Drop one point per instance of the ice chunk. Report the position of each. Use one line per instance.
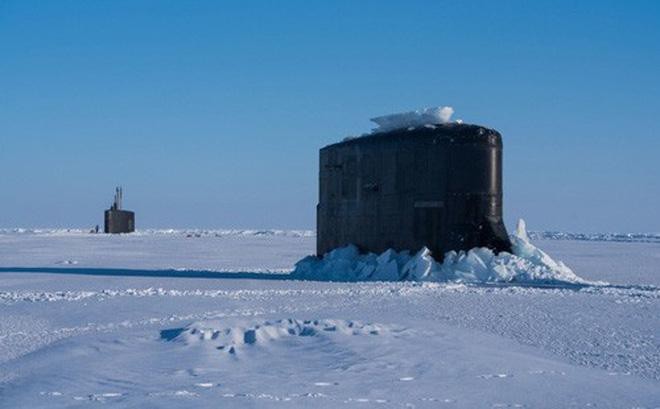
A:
(413, 119)
(527, 264)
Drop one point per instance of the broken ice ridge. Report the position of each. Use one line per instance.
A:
(527, 264)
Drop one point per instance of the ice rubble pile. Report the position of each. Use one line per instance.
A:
(403, 120)
(527, 264)
(229, 339)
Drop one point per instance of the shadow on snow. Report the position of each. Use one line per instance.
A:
(126, 272)
(246, 275)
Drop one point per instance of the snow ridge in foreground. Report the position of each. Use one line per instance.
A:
(528, 264)
(229, 338)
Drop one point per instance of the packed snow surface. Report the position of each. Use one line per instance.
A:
(414, 119)
(622, 237)
(535, 235)
(191, 318)
(168, 232)
(528, 264)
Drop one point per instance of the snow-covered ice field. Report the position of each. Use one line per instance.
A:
(209, 319)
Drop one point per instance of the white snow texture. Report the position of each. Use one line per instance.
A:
(116, 321)
(528, 264)
(426, 116)
(231, 339)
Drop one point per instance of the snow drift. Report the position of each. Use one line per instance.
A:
(527, 264)
(427, 116)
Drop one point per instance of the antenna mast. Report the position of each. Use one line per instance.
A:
(118, 198)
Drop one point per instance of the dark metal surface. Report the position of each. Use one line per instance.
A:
(436, 187)
(119, 221)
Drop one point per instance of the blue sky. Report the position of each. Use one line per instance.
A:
(211, 113)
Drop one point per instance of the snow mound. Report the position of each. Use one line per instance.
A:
(413, 119)
(528, 264)
(231, 339)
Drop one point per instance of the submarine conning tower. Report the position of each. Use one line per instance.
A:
(117, 220)
(438, 186)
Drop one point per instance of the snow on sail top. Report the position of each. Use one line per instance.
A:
(414, 119)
